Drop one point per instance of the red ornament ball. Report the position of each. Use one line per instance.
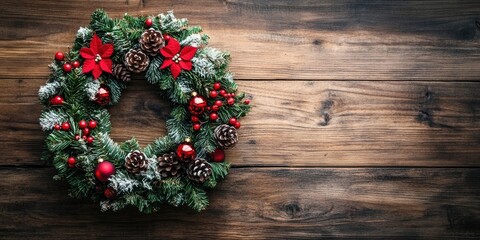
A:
(218, 103)
(186, 152)
(56, 100)
(213, 116)
(92, 124)
(230, 101)
(218, 155)
(90, 139)
(104, 171)
(103, 95)
(148, 22)
(213, 94)
(82, 124)
(195, 119)
(197, 105)
(196, 126)
(109, 193)
(223, 93)
(232, 121)
(71, 161)
(217, 86)
(67, 67)
(215, 108)
(65, 126)
(57, 127)
(247, 101)
(237, 125)
(76, 64)
(59, 56)
(86, 131)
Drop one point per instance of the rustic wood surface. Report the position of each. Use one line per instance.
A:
(366, 121)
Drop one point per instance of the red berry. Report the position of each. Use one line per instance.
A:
(109, 193)
(76, 64)
(217, 86)
(57, 127)
(86, 131)
(56, 100)
(148, 22)
(215, 108)
(213, 116)
(237, 125)
(65, 126)
(71, 161)
(92, 124)
(194, 119)
(59, 56)
(232, 121)
(213, 94)
(67, 67)
(223, 93)
(230, 101)
(77, 137)
(82, 124)
(232, 94)
(227, 95)
(84, 137)
(218, 155)
(247, 101)
(218, 103)
(166, 37)
(89, 139)
(196, 126)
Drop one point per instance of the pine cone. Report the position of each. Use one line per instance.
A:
(168, 165)
(136, 162)
(151, 42)
(226, 136)
(136, 61)
(121, 73)
(199, 171)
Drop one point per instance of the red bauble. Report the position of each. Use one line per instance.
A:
(218, 103)
(148, 22)
(56, 100)
(197, 105)
(217, 86)
(237, 125)
(82, 124)
(67, 67)
(104, 171)
(196, 126)
(223, 93)
(195, 119)
(90, 139)
(218, 155)
(59, 56)
(215, 108)
(76, 64)
(213, 94)
(86, 131)
(186, 152)
(92, 124)
(57, 127)
(65, 126)
(232, 121)
(230, 101)
(213, 116)
(247, 101)
(109, 193)
(71, 161)
(103, 95)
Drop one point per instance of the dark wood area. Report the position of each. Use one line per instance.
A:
(366, 121)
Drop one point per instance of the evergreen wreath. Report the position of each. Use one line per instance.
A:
(174, 169)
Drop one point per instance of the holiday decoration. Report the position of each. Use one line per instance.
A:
(174, 57)
(97, 57)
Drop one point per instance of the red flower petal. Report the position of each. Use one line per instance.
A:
(106, 65)
(167, 62)
(97, 71)
(172, 48)
(188, 53)
(106, 50)
(187, 65)
(95, 44)
(88, 65)
(87, 53)
(175, 69)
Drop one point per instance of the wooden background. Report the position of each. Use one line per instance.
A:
(366, 121)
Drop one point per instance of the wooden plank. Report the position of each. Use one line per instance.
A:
(311, 40)
(253, 203)
(294, 123)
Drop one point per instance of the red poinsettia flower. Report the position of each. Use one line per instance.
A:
(97, 57)
(177, 58)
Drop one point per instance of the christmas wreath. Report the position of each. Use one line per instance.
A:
(174, 169)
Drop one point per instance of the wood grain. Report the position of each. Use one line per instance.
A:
(302, 123)
(310, 40)
(262, 203)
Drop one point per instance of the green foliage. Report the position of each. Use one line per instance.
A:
(147, 190)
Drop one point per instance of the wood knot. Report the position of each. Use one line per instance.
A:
(325, 112)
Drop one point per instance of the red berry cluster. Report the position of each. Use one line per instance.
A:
(67, 65)
(64, 126)
(86, 127)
